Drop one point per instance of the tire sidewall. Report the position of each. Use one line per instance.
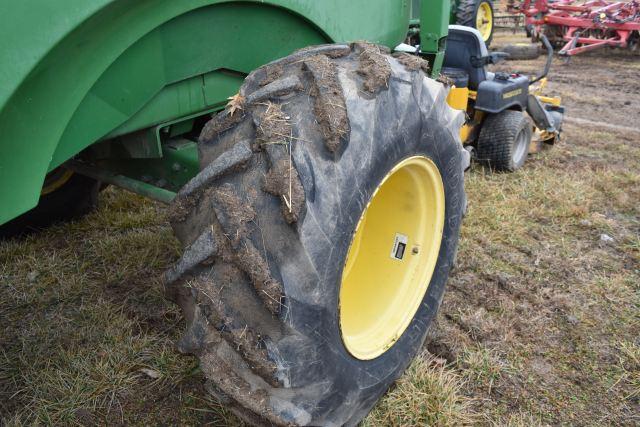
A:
(421, 137)
(525, 127)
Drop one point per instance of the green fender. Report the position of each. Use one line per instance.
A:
(74, 73)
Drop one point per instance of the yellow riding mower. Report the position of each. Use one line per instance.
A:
(497, 131)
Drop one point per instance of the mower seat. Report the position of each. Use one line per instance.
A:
(458, 76)
(466, 52)
(464, 44)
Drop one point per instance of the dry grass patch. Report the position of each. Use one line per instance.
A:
(87, 335)
(541, 306)
(428, 394)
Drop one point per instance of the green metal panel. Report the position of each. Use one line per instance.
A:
(415, 10)
(76, 72)
(178, 164)
(434, 27)
(183, 99)
(433, 17)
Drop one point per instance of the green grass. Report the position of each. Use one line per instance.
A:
(428, 394)
(542, 317)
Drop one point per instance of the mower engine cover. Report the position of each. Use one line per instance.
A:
(502, 92)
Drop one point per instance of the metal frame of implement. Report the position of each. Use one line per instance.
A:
(587, 25)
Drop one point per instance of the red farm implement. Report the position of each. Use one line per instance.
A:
(578, 27)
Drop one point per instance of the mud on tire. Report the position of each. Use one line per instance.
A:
(286, 172)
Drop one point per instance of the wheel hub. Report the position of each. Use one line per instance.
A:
(484, 20)
(392, 257)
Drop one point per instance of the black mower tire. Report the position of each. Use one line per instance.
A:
(466, 12)
(521, 51)
(75, 198)
(266, 230)
(499, 139)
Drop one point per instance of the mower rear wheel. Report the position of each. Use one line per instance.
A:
(504, 140)
(319, 233)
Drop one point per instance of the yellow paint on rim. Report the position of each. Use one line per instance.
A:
(484, 20)
(55, 179)
(391, 258)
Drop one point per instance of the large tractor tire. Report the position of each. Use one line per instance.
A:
(65, 196)
(319, 234)
(520, 51)
(476, 14)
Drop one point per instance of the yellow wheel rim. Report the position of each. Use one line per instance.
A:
(391, 258)
(484, 20)
(55, 179)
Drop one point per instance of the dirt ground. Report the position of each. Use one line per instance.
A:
(540, 324)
